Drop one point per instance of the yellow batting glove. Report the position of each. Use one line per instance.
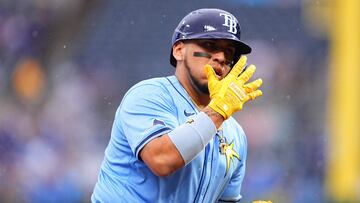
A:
(229, 94)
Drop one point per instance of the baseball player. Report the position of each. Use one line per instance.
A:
(173, 138)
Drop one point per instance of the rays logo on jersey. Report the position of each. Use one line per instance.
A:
(158, 122)
(229, 152)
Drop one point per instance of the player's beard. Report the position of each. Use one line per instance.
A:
(203, 88)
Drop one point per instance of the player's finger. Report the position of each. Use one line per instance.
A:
(252, 86)
(210, 73)
(238, 67)
(255, 94)
(246, 75)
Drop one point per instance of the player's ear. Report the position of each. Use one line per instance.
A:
(178, 50)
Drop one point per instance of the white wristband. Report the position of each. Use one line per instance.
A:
(190, 138)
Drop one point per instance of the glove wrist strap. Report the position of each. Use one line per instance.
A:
(218, 106)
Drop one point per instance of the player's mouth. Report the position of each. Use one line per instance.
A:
(219, 72)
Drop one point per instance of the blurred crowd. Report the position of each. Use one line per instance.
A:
(57, 99)
(49, 137)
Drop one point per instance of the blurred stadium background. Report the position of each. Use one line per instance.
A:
(65, 65)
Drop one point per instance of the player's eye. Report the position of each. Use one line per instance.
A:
(229, 56)
(229, 52)
(212, 46)
(209, 46)
(229, 63)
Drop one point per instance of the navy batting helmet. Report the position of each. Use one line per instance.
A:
(210, 23)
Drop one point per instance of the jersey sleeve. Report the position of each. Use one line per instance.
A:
(232, 192)
(146, 112)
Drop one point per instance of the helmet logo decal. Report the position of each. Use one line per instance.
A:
(209, 28)
(230, 22)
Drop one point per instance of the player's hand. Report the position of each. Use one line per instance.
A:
(229, 94)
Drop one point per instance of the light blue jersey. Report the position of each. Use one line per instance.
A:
(150, 109)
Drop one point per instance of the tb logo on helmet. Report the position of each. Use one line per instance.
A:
(230, 22)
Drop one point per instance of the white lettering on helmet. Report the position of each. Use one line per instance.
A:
(230, 22)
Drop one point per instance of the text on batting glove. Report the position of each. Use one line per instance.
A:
(229, 94)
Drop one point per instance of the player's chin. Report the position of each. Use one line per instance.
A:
(205, 91)
(202, 86)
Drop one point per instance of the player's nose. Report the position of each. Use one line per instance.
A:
(218, 59)
(218, 63)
